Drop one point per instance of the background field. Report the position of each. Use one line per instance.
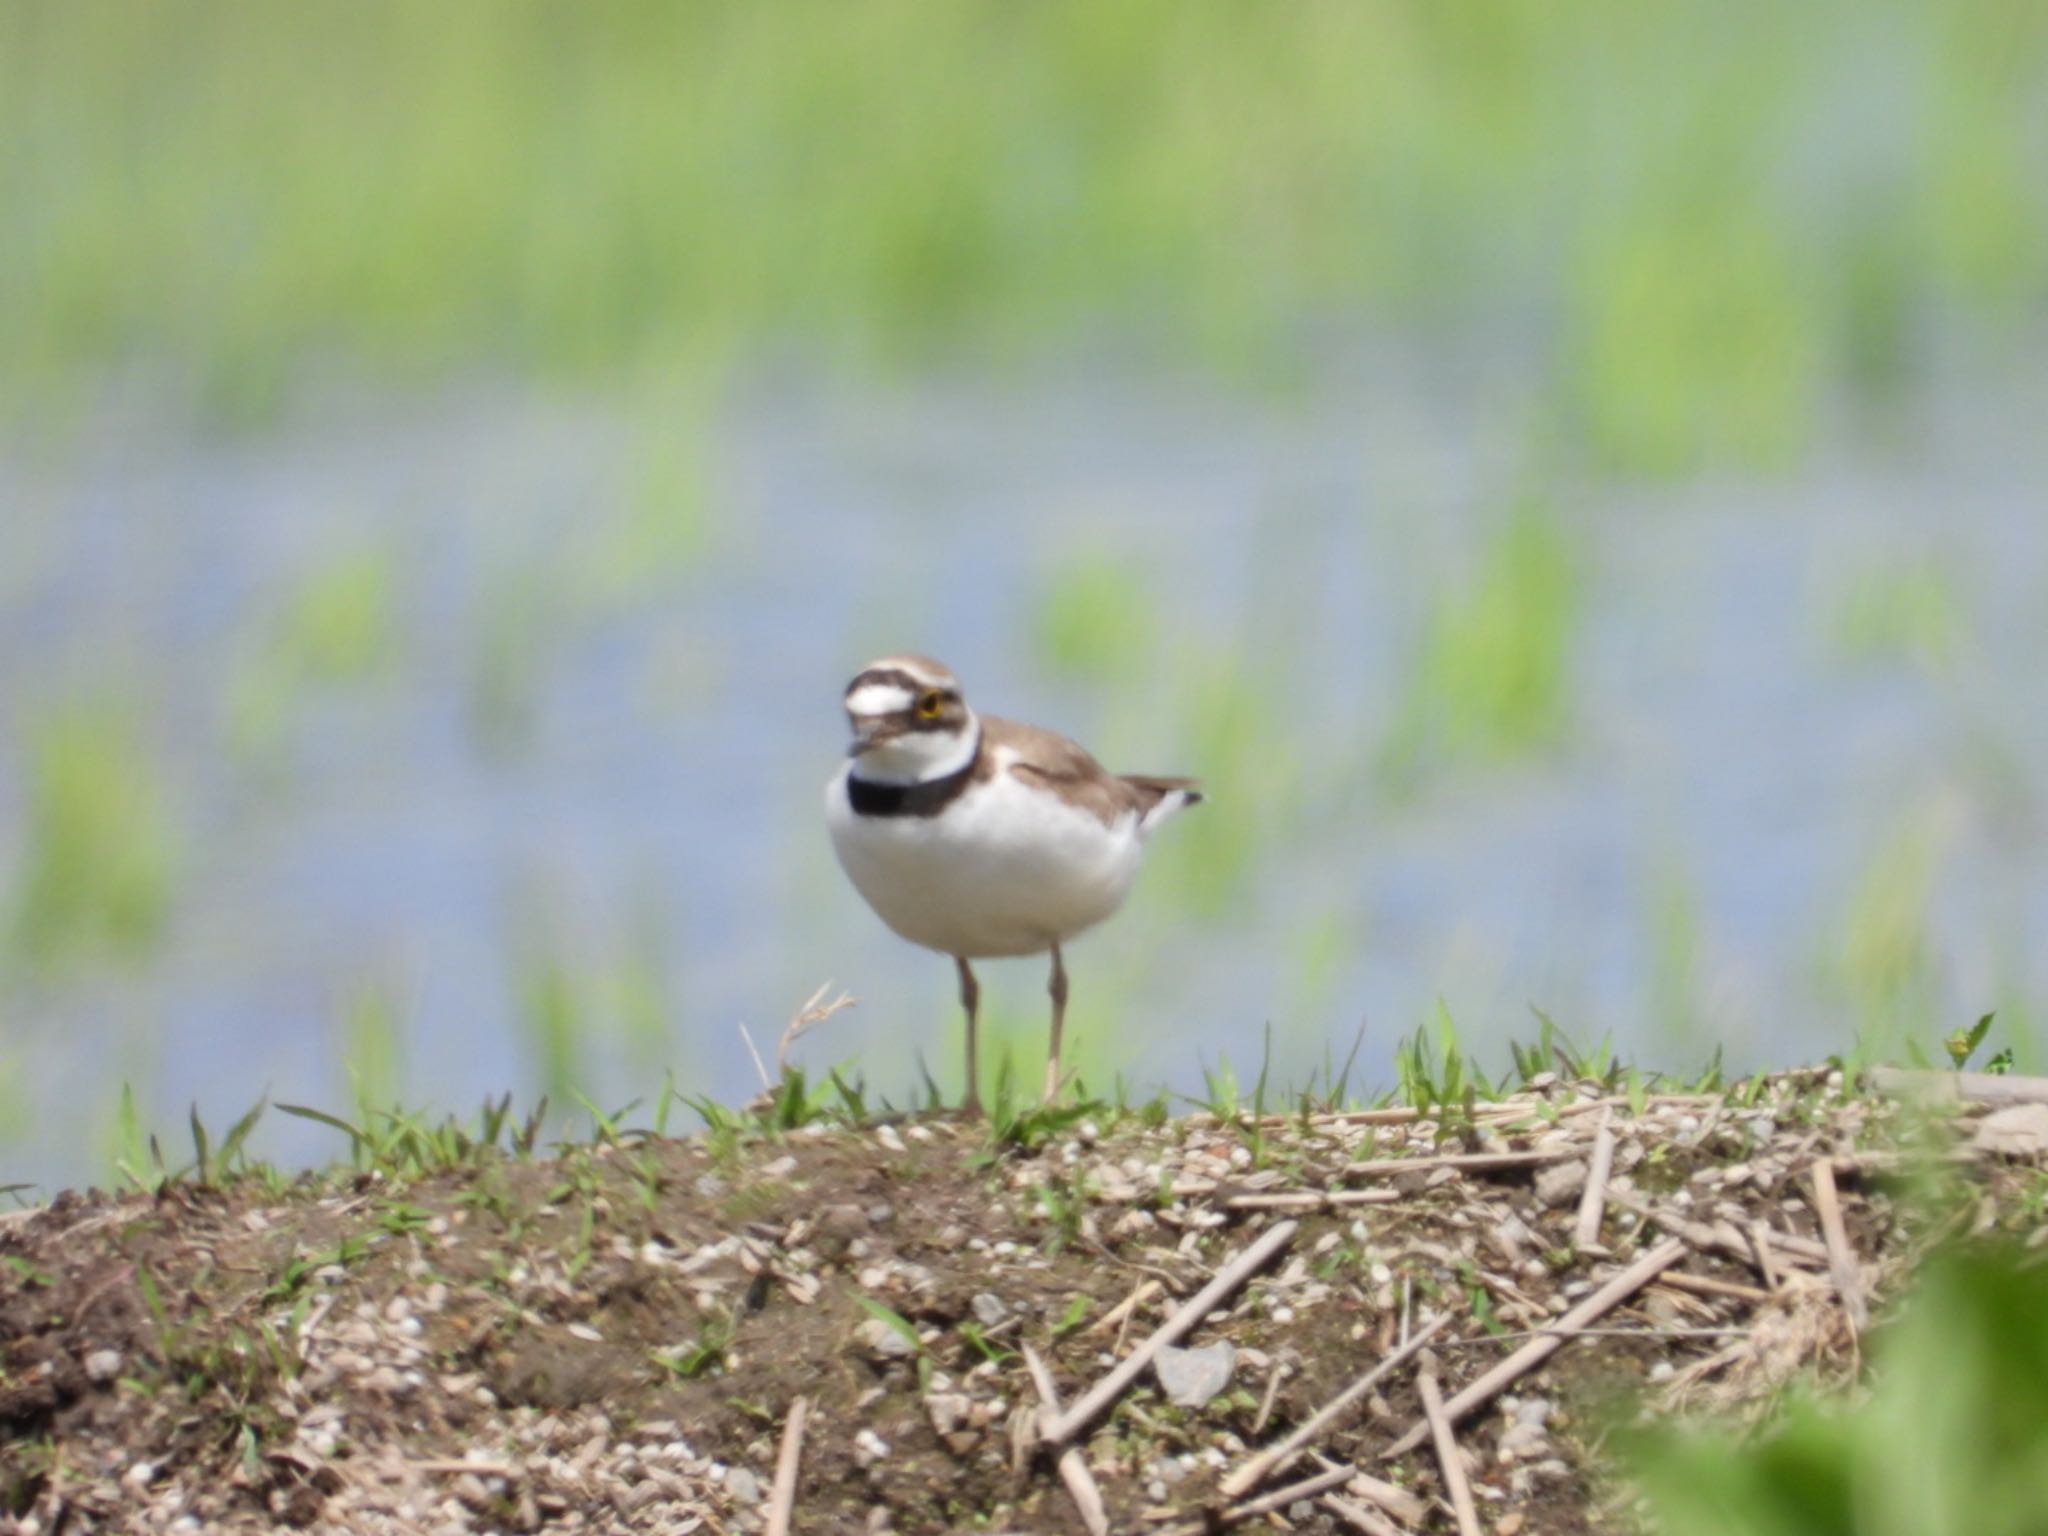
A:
(1570, 481)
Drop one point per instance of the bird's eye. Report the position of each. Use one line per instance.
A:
(931, 706)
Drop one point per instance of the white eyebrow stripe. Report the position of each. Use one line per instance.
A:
(877, 699)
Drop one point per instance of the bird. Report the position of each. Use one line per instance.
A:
(980, 837)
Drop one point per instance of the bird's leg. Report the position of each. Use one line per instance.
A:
(970, 999)
(1058, 988)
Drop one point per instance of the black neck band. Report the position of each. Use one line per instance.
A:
(925, 797)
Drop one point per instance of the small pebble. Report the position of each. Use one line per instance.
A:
(743, 1485)
(103, 1365)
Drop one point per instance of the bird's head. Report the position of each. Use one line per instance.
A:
(909, 720)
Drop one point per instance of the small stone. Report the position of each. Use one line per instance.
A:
(869, 1447)
(1525, 1432)
(989, 1309)
(743, 1485)
(1560, 1183)
(103, 1365)
(947, 1411)
(1191, 1377)
(2018, 1130)
(839, 1228)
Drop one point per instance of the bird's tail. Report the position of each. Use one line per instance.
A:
(1159, 798)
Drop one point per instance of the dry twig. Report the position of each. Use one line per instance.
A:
(1593, 1203)
(1842, 1265)
(782, 1499)
(1766, 1266)
(814, 1012)
(1981, 1087)
(1448, 1456)
(1536, 1351)
(1145, 1291)
(1280, 1498)
(1065, 1426)
(1464, 1162)
(1360, 1516)
(1073, 1466)
(1712, 1239)
(1397, 1501)
(1276, 1457)
(1707, 1285)
(455, 1466)
(1311, 1199)
(1273, 1378)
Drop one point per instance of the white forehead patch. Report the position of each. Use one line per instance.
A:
(877, 699)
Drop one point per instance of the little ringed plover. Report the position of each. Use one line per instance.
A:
(979, 837)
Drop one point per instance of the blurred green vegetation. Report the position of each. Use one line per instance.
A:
(100, 858)
(1676, 923)
(1096, 621)
(1952, 1438)
(1713, 214)
(1493, 674)
(1904, 611)
(339, 626)
(1235, 726)
(1885, 959)
(373, 1035)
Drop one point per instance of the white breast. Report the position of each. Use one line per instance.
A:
(1004, 869)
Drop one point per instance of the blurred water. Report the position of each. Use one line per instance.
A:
(1677, 869)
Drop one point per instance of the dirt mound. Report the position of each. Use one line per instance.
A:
(612, 1340)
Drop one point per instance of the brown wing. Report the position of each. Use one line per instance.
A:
(1066, 767)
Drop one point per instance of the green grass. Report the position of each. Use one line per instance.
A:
(1715, 213)
(555, 1017)
(373, 1048)
(100, 860)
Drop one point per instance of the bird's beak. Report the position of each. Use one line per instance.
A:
(871, 731)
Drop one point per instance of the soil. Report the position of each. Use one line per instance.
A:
(612, 1339)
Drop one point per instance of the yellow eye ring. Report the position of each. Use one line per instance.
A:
(931, 706)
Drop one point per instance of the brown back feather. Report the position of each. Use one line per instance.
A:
(1048, 758)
